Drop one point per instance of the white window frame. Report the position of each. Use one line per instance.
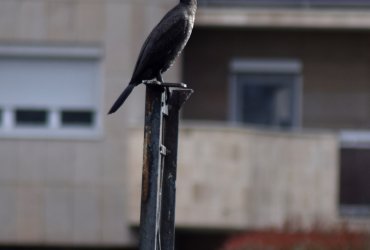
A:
(267, 66)
(53, 128)
(355, 139)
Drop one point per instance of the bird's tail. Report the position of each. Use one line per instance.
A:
(122, 98)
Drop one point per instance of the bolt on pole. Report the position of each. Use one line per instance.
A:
(158, 195)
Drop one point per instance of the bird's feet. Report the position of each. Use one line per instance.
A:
(166, 84)
(153, 82)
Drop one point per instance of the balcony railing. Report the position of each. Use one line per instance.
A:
(287, 3)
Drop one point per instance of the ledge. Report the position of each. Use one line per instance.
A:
(283, 18)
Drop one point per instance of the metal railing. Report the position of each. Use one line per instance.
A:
(287, 3)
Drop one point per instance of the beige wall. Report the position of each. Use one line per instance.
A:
(336, 89)
(66, 191)
(240, 178)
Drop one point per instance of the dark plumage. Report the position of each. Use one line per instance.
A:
(163, 45)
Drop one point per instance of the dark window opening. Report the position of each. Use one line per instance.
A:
(31, 117)
(77, 118)
(267, 100)
(354, 182)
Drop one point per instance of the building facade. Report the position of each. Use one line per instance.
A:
(289, 65)
(63, 175)
(274, 135)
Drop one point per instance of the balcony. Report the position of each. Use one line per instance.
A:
(298, 14)
(287, 3)
(237, 178)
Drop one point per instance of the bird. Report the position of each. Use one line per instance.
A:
(163, 45)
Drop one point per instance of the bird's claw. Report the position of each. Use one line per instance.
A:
(165, 84)
(152, 82)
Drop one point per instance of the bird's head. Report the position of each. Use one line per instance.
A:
(189, 2)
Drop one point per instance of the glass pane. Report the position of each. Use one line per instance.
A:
(30, 117)
(284, 106)
(354, 177)
(77, 118)
(266, 99)
(257, 104)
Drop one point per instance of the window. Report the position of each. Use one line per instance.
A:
(46, 91)
(354, 182)
(354, 185)
(29, 117)
(77, 118)
(266, 93)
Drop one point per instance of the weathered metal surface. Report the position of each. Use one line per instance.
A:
(151, 169)
(171, 122)
(157, 219)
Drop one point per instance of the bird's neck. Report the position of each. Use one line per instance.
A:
(189, 2)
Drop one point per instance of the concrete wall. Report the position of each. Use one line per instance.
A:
(335, 71)
(240, 178)
(70, 191)
(280, 17)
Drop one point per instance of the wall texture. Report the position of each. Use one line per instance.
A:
(73, 191)
(240, 178)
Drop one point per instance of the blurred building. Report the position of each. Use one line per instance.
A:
(276, 134)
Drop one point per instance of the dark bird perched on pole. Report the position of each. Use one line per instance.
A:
(163, 45)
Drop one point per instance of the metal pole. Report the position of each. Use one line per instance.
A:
(151, 169)
(157, 218)
(171, 132)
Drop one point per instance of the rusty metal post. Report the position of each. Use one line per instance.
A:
(171, 132)
(157, 216)
(150, 210)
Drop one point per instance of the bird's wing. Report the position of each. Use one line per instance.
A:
(170, 31)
